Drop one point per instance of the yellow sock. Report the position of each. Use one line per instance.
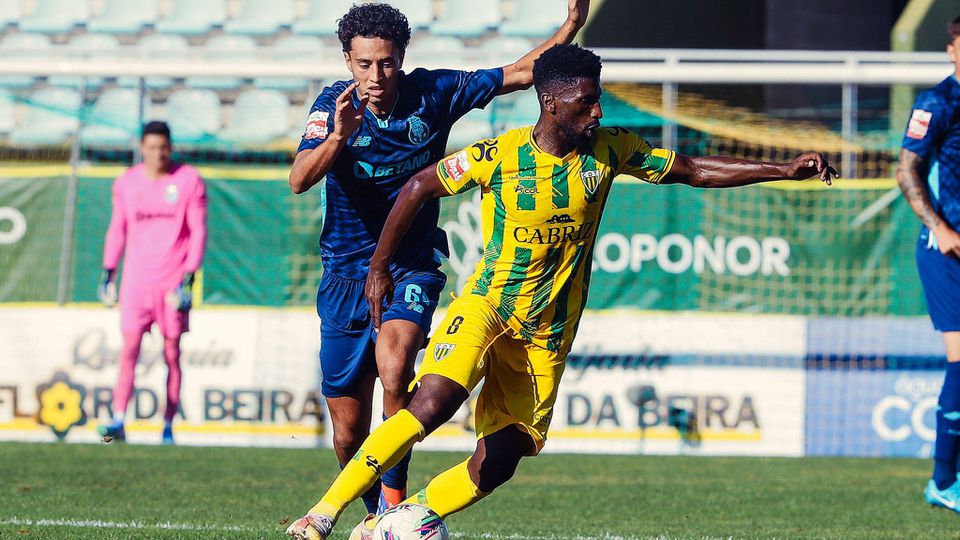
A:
(450, 492)
(381, 451)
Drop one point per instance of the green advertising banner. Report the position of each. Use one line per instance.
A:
(792, 248)
(31, 227)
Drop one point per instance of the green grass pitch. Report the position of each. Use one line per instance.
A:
(64, 491)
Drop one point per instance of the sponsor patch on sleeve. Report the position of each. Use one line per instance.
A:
(316, 125)
(456, 166)
(919, 124)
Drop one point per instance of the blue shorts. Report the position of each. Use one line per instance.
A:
(940, 275)
(347, 339)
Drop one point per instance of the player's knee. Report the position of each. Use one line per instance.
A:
(494, 471)
(346, 442)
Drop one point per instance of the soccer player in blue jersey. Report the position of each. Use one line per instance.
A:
(368, 136)
(929, 175)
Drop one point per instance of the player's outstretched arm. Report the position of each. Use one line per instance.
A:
(310, 166)
(519, 75)
(914, 189)
(424, 185)
(723, 172)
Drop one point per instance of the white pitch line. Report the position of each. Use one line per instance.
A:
(136, 525)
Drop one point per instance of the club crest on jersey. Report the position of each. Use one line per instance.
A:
(419, 130)
(442, 350)
(316, 125)
(171, 194)
(591, 181)
(919, 124)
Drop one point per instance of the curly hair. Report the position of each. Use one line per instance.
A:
(953, 30)
(564, 64)
(374, 20)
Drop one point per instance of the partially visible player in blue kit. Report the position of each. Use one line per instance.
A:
(368, 136)
(929, 175)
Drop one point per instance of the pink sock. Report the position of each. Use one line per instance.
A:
(128, 364)
(171, 355)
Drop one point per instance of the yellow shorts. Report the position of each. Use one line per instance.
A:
(522, 379)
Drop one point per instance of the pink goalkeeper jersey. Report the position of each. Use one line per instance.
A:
(160, 224)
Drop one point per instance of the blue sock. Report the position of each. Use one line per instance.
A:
(948, 429)
(371, 499)
(396, 477)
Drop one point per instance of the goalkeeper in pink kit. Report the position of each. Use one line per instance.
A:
(158, 225)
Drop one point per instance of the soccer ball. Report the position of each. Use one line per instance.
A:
(410, 522)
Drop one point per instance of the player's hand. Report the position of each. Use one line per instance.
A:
(107, 291)
(347, 118)
(181, 297)
(947, 240)
(379, 291)
(577, 11)
(812, 164)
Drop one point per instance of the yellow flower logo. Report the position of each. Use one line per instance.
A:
(61, 404)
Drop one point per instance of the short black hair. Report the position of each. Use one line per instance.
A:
(953, 29)
(564, 64)
(155, 127)
(374, 20)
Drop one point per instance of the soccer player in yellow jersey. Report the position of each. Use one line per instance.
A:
(543, 191)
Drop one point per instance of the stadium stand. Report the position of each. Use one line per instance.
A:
(321, 17)
(87, 46)
(225, 47)
(8, 112)
(125, 17)
(194, 116)
(259, 117)
(114, 119)
(168, 47)
(24, 46)
(533, 18)
(193, 17)
(291, 48)
(261, 17)
(485, 16)
(447, 50)
(52, 117)
(56, 16)
(10, 13)
(419, 12)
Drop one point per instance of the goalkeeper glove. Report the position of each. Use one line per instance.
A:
(181, 297)
(107, 291)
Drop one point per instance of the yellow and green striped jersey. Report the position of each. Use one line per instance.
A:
(540, 215)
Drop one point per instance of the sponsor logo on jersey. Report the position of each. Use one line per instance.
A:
(526, 190)
(418, 131)
(560, 218)
(456, 165)
(553, 235)
(362, 169)
(362, 141)
(919, 124)
(316, 125)
(442, 350)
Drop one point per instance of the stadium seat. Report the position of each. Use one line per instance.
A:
(228, 48)
(534, 18)
(56, 16)
(193, 17)
(474, 126)
(502, 50)
(445, 50)
(291, 48)
(23, 46)
(114, 119)
(259, 117)
(126, 17)
(321, 17)
(8, 112)
(261, 17)
(51, 117)
(194, 116)
(419, 13)
(10, 12)
(168, 47)
(483, 16)
(524, 112)
(87, 47)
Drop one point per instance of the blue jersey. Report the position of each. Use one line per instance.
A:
(933, 133)
(381, 156)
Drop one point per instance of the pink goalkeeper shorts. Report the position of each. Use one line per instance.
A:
(141, 308)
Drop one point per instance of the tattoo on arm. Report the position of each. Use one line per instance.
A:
(908, 176)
